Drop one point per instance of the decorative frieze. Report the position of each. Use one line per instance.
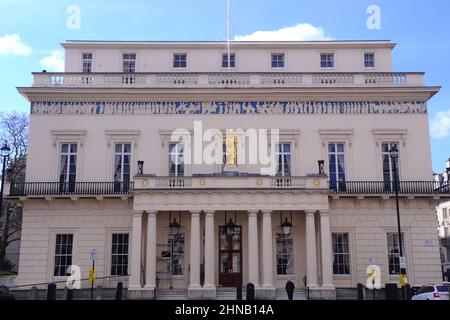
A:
(230, 107)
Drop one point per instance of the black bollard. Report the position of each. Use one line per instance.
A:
(391, 291)
(69, 295)
(119, 291)
(407, 292)
(360, 289)
(51, 291)
(250, 291)
(239, 292)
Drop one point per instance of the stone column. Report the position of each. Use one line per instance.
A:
(194, 276)
(311, 256)
(253, 259)
(136, 242)
(327, 270)
(209, 251)
(267, 290)
(150, 270)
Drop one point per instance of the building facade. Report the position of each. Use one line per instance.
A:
(443, 214)
(119, 162)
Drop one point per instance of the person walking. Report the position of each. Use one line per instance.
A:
(290, 287)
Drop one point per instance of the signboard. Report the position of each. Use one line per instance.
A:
(402, 263)
(93, 255)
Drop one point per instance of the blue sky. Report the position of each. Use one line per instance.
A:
(31, 30)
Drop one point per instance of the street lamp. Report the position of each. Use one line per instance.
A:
(447, 168)
(287, 226)
(394, 153)
(174, 227)
(5, 151)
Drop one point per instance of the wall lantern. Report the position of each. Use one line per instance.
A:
(230, 225)
(140, 167)
(321, 166)
(286, 225)
(174, 226)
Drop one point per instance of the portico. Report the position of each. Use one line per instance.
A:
(216, 257)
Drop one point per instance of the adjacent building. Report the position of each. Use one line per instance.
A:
(443, 214)
(120, 155)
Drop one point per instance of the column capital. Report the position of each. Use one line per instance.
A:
(151, 212)
(138, 212)
(209, 213)
(266, 212)
(195, 213)
(310, 212)
(324, 213)
(252, 212)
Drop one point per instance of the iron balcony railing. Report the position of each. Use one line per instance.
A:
(70, 188)
(388, 187)
(122, 188)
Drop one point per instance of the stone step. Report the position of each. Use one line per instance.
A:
(299, 294)
(171, 294)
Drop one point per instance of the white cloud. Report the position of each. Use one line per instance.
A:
(12, 44)
(299, 32)
(440, 125)
(54, 62)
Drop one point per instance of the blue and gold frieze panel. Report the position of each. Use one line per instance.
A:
(225, 107)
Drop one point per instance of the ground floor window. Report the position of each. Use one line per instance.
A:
(285, 254)
(119, 254)
(341, 254)
(394, 252)
(63, 254)
(176, 247)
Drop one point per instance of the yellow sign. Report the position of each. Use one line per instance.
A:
(403, 280)
(92, 275)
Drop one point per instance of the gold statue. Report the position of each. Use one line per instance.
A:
(231, 147)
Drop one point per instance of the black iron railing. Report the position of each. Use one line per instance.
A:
(388, 187)
(70, 188)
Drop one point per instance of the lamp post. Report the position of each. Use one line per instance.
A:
(5, 151)
(447, 169)
(393, 153)
(174, 228)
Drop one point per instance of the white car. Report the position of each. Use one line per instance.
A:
(433, 292)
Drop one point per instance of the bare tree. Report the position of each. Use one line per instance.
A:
(14, 129)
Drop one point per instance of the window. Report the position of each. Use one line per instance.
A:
(87, 62)
(225, 60)
(63, 254)
(129, 62)
(122, 160)
(68, 167)
(341, 254)
(388, 167)
(444, 213)
(119, 254)
(394, 252)
(327, 60)
(285, 254)
(176, 159)
(369, 60)
(277, 60)
(283, 155)
(336, 165)
(176, 247)
(179, 60)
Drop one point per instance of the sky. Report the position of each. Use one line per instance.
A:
(31, 31)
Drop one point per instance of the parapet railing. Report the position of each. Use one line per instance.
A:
(228, 79)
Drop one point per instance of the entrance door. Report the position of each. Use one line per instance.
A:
(230, 257)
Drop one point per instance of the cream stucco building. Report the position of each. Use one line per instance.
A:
(105, 173)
